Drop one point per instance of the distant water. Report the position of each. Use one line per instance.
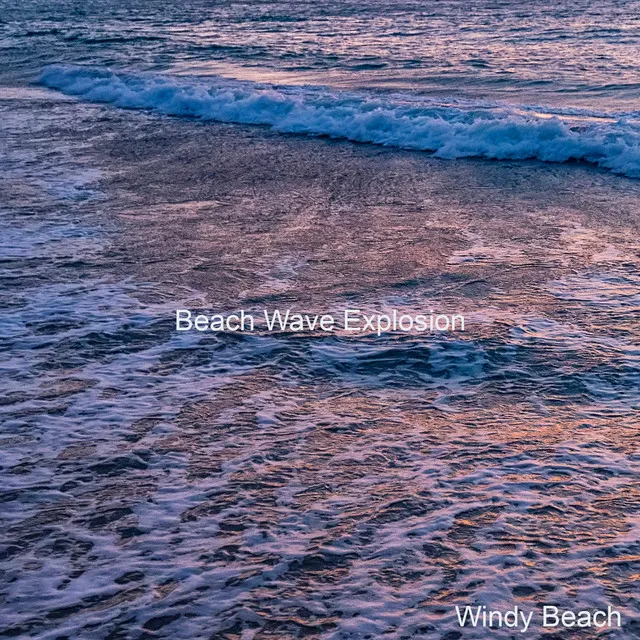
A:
(582, 53)
(278, 486)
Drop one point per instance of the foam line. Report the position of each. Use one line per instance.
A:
(499, 133)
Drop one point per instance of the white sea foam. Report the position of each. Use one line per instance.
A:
(499, 132)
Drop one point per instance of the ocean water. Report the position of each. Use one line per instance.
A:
(487, 79)
(473, 157)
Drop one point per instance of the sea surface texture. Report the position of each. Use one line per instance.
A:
(475, 157)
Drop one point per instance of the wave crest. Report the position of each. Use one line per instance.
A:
(451, 131)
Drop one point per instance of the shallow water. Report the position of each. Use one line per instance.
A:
(272, 486)
(255, 486)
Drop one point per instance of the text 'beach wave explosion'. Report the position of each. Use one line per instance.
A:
(448, 131)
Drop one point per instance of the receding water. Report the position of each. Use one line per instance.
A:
(272, 485)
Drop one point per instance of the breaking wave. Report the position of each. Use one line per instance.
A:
(448, 131)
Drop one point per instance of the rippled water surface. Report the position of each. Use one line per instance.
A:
(258, 486)
(583, 51)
